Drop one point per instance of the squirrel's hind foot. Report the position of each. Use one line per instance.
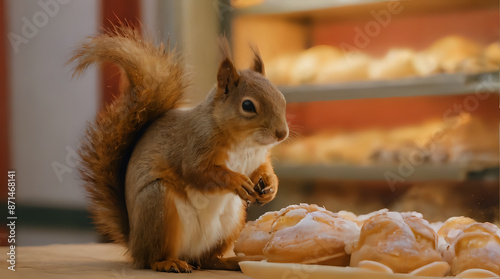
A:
(172, 265)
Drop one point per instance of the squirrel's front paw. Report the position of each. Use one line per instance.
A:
(266, 187)
(244, 187)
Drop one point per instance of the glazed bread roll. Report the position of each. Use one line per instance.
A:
(437, 199)
(348, 215)
(473, 142)
(477, 247)
(492, 53)
(401, 241)
(361, 219)
(426, 64)
(330, 147)
(452, 227)
(255, 235)
(310, 61)
(450, 230)
(348, 147)
(310, 234)
(446, 55)
(245, 3)
(397, 63)
(278, 70)
(476, 65)
(351, 67)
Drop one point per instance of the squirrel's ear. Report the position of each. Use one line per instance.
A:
(258, 64)
(227, 76)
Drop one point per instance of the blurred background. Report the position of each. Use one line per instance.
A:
(392, 104)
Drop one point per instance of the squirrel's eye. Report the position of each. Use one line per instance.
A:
(248, 106)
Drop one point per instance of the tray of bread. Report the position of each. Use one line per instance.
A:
(308, 241)
(439, 149)
(324, 64)
(451, 65)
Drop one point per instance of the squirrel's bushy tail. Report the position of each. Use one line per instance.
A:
(156, 84)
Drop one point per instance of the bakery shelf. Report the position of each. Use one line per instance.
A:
(298, 7)
(439, 84)
(339, 10)
(378, 172)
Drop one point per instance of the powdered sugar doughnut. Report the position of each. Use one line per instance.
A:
(255, 235)
(477, 247)
(401, 241)
(312, 235)
(452, 227)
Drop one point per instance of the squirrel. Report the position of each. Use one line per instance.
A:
(171, 183)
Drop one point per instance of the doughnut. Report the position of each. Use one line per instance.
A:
(403, 242)
(476, 247)
(310, 234)
(255, 235)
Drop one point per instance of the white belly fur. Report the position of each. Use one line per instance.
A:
(246, 160)
(207, 219)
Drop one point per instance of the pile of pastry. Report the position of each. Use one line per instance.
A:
(470, 141)
(326, 64)
(382, 241)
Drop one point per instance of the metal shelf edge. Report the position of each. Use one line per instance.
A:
(379, 172)
(436, 85)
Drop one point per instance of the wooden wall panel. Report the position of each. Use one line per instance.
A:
(114, 12)
(5, 163)
(415, 32)
(4, 100)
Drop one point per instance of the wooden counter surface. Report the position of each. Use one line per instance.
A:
(87, 261)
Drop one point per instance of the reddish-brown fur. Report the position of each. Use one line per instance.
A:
(109, 140)
(142, 155)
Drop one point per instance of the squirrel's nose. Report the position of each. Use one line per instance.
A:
(281, 134)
